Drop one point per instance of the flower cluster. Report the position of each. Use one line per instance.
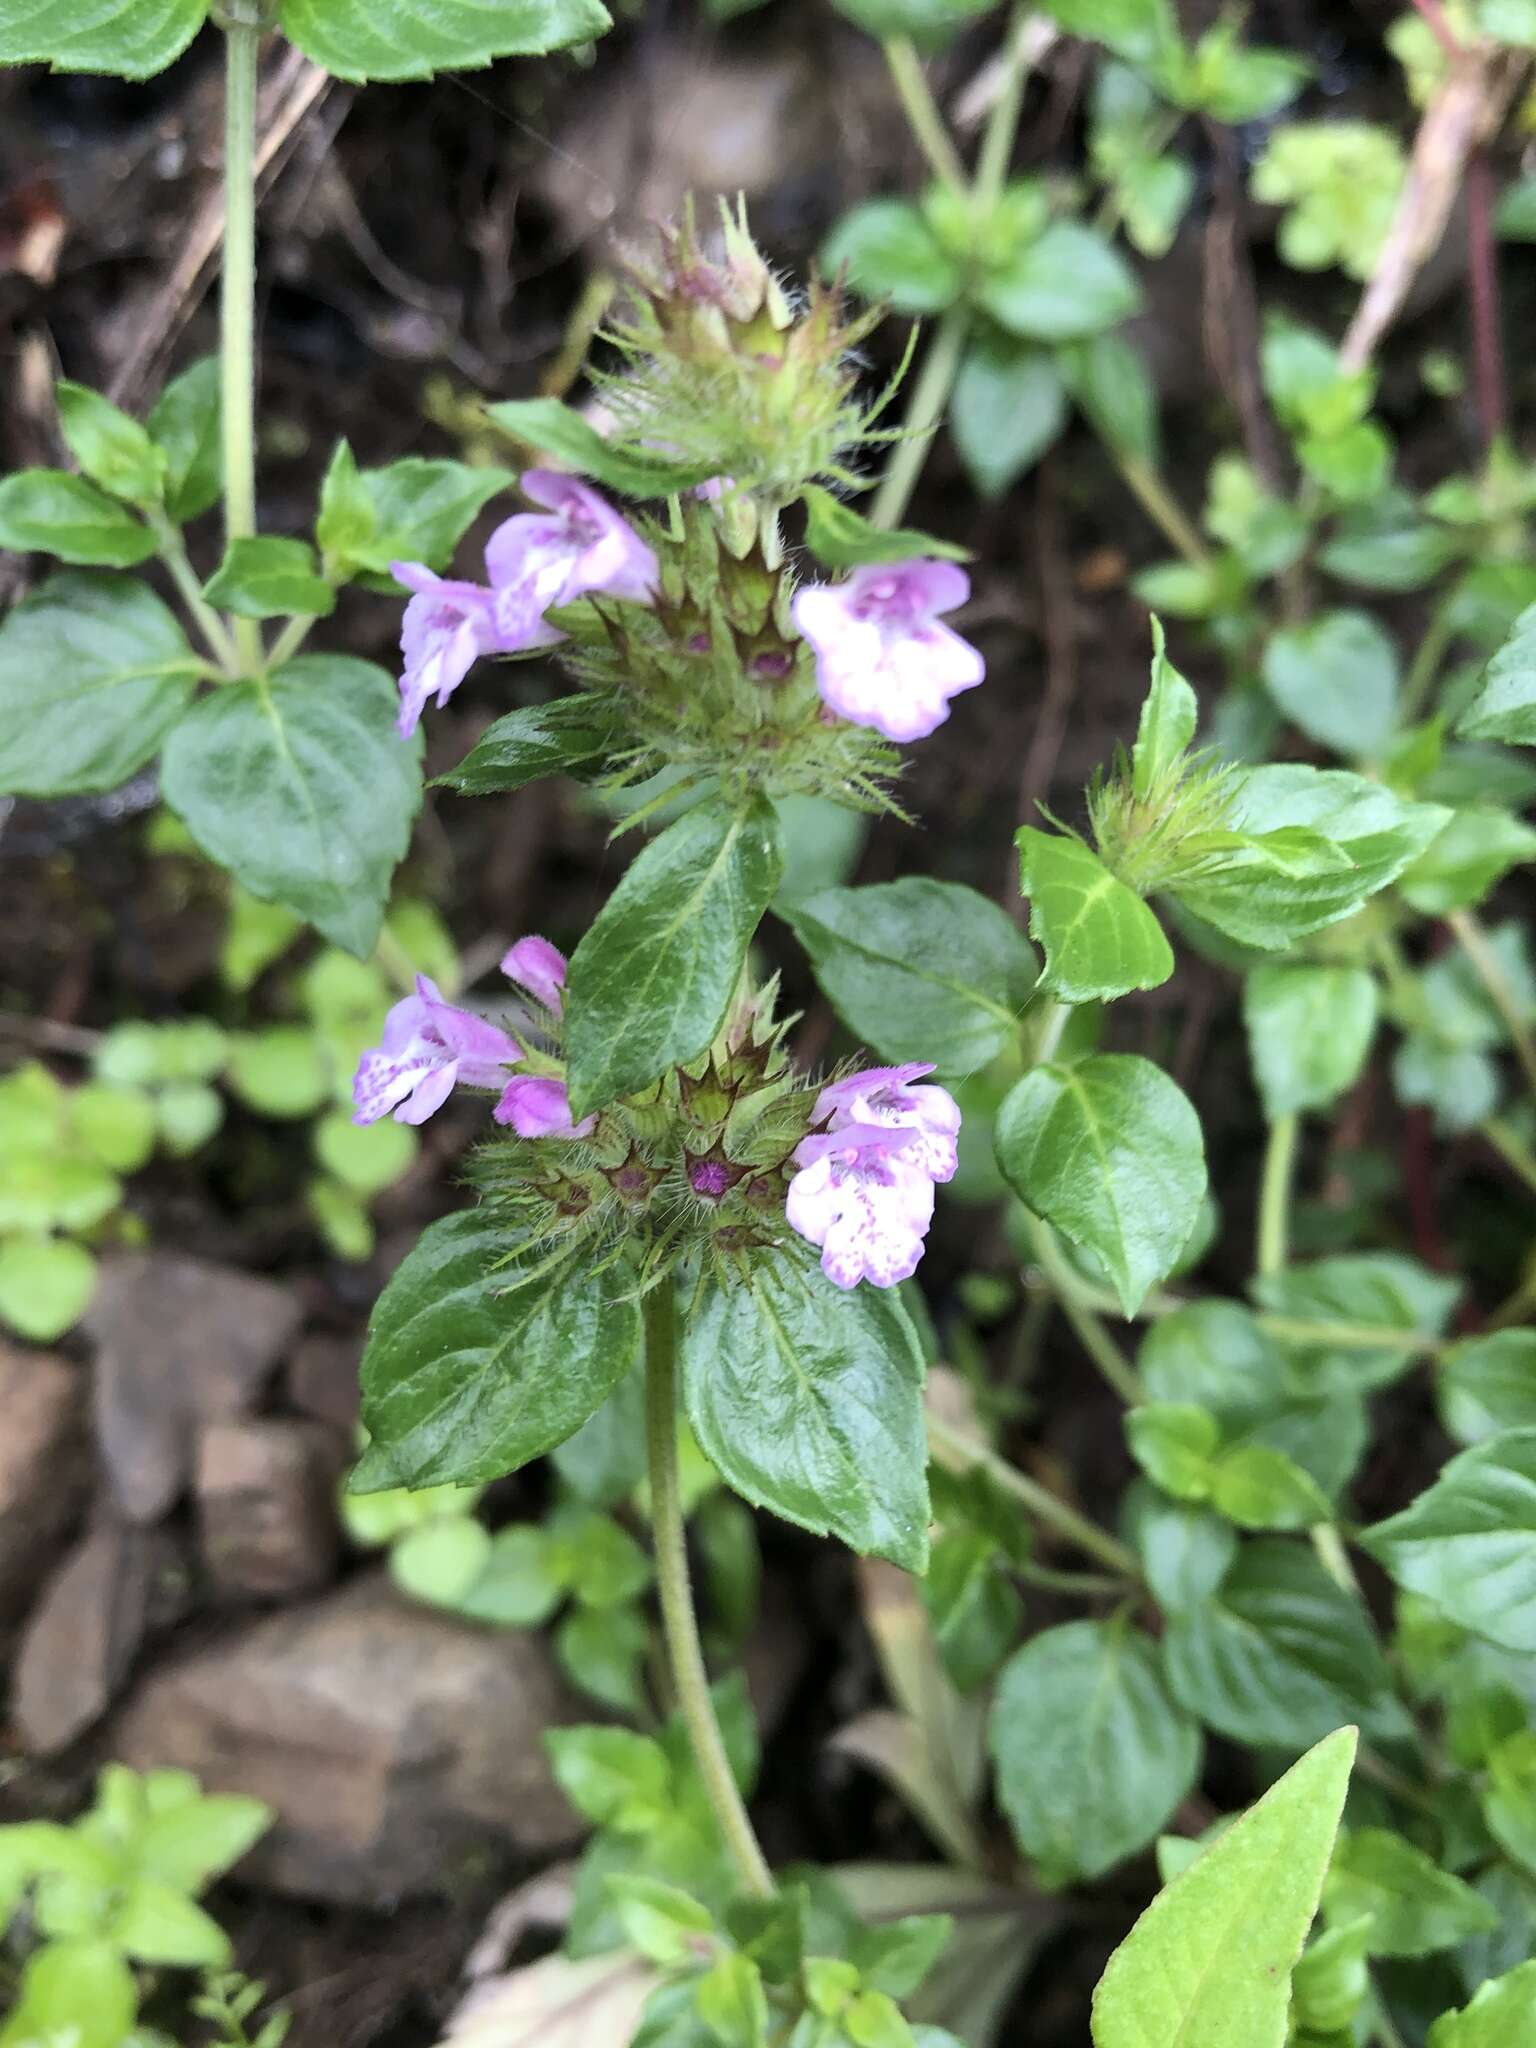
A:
(882, 659)
(728, 1155)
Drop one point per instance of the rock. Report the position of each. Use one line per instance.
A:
(181, 1342)
(394, 1744)
(321, 1380)
(81, 1641)
(266, 1501)
(45, 1467)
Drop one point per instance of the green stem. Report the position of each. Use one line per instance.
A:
(921, 110)
(1352, 1336)
(1275, 1194)
(1049, 1026)
(930, 395)
(953, 1447)
(1333, 1557)
(172, 551)
(289, 640)
(242, 43)
(1438, 635)
(1506, 1141)
(1160, 505)
(996, 152)
(1485, 963)
(679, 1623)
(1086, 1326)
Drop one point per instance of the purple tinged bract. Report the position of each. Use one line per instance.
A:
(428, 1046)
(882, 657)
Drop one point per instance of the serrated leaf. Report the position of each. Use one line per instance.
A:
(919, 969)
(125, 38)
(1109, 1151)
(1279, 1655)
(112, 449)
(1092, 1755)
(1505, 707)
(1500, 2015)
(808, 1400)
(1462, 862)
(94, 671)
(571, 736)
(1169, 715)
(300, 786)
(1099, 939)
(185, 426)
(1488, 1385)
(48, 511)
(467, 1375)
(359, 40)
(1468, 1543)
(555, 429)
(651, 982)
(1309, 1031)
(1211, 1958)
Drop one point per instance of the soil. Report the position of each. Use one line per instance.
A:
(427, 245)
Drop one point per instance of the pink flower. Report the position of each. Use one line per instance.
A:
(885, 1096)
(536, 1108)
(862, 1199)
(882, 658)
(427, 1047)
(534, 964)
(534, 560)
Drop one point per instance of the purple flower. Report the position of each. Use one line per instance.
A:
(885, 1096)
(536, 1108)
(427, 1047)
(534, 560)
(534, 964)
(882, 658)
(859, 1195)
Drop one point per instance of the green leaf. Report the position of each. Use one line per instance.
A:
(78, 1991)
(366, 1158)
(440, 1563)
(1505, 707)
(156, 1923)
(1371, 835)
(50, 512)
(46, 1284)
(613, 1776)
(1309, 1033)
(652, 980)
(189, 1841)
(1169, 715)
(1469, 1542)
(1509, 1794)
(1373, 1290)
(1140, 31)
(605, 1460)
(1488, 1384)
(282, 1071)
(1463, 861)
(1009, 404)
(356, 40)
(808, 1401)
(1259, 1487)
(1069, 282)
(919, 969)
(1210, 1960)
(301, 788)
(1092, 1755)
(468, 1374)
(602, 1651)
(116, 1125)
(112, 449)
(1109, 1151)
(571, 736)
(518, 1585)
(554, 429)
(1500, 2015)
(973, 1608)
(1174, 1443)
(1100, 940)
(1108, 377)
(94, 671)
(266, 577)
(844, 539)
(185, 427)
(126, 38)
(1415, 1908)
(1280, 1655)
(661, 1920)
(929, 22)
(890, 252)
(1336, 680)
(1185, 1550)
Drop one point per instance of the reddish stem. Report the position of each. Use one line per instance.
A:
(1440, 28)
(1483, 278)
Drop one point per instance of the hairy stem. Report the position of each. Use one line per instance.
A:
(922, 112)
(238, 310)
(172, 551)
(1160, 506)
(954, 1448)
(679, 1623)
(1086, 1326)
(1275, 1194)
(1485, 964)
(289, 640)
(996, 152)
(1438, 635)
